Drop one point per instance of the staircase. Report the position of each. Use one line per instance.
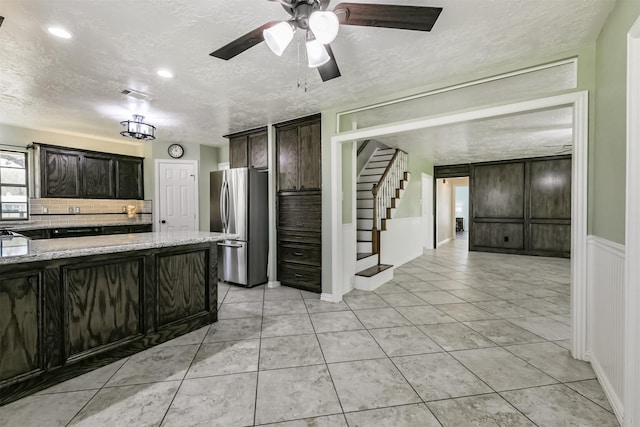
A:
(380, 186)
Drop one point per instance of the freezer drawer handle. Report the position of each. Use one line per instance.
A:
(227, 245)
(299, 275)
(298, 253)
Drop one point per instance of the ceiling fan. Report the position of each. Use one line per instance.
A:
(321, 27)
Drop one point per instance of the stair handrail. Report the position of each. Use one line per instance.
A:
(363, 146)
(385, 187)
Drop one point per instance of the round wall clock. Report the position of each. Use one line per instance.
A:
(176, 151)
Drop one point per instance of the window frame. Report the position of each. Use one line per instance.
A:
(26, 186)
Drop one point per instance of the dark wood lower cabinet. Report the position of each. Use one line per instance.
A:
(299, 240)
(65, 317)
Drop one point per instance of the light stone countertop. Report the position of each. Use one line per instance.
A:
(20, 250)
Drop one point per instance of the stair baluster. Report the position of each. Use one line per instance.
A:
(383, 192)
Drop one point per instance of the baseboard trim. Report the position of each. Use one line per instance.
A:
(329, 297)
(613, 398)
(273, 284)
(444, 241)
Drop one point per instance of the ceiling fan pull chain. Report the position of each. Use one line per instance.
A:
(299, 63)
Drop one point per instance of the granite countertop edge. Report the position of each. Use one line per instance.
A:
(50, 249)
(26, 227)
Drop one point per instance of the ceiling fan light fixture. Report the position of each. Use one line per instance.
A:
(325, 26)
(278, 37)
(317, 54)
(136, 129)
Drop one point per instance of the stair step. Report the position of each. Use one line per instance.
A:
(382, 157)
(364, 247)
(385, 150)
(364, 223)
(365, 186)
(365, 213)
(363, 255)
(368, 179)
(378, 164)
(365, 203)
(372, 171)
(372, 271)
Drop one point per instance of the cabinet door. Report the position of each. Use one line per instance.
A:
(238, 152)
(98, 179)
(129, 182)
(19, 325)
(310, 154)
(258, 150)
(288, 159)
(60, 173)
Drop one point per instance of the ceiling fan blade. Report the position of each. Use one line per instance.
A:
(329, 70)
(243, 43)
(389, 16)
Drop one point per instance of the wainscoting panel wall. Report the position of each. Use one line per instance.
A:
(521, 206)
(606, 322)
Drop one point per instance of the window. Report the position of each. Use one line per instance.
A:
(14, 197)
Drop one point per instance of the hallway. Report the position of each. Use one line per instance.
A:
(458, 338)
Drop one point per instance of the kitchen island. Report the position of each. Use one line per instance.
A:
(70, 305)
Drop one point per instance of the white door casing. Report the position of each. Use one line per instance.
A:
(176, 201)
(578, 100)
(632, 232)
(427, 209)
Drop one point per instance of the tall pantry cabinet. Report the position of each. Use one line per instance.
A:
(299, 170)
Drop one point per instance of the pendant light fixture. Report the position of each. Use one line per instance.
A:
(279, 36)
(325, 26)
(136, 129)
(317, 54)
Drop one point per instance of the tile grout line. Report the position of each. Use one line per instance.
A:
(255, 401)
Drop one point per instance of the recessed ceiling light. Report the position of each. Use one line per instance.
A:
(165, 73)
(60, 32)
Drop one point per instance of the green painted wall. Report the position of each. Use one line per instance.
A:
(208, 163)
(410, 205)
(609, 148)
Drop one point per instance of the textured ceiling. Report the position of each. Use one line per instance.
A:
(539, 133)
(74, 85)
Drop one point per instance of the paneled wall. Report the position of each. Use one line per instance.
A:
(521, 206)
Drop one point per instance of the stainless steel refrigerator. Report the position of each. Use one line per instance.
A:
(239, 206)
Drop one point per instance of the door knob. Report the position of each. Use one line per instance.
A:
(163, 222)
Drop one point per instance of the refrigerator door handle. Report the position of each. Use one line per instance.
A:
(226, 205)
(224, 225)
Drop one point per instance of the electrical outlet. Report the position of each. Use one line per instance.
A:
(77, 209)
(124, 209)
(45, 209)
(70, 209)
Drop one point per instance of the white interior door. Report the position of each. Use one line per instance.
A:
(427, 209)
(177, 195)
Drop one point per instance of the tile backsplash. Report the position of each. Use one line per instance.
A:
(69, 212)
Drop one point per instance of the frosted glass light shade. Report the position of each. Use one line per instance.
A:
(316, 54)
(325, 26)
(278, 37)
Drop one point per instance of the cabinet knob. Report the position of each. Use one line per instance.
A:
(163, 222)
(32, 279)
(299, 275)
(298, 253)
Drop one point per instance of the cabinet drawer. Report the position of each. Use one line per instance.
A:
(115, 229)
(300, 202)
(307, 221)
(299, 276)
(314, 238)
(301, 254)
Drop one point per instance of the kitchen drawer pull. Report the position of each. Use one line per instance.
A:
(227, 245)
(298, 253)
(299, 275)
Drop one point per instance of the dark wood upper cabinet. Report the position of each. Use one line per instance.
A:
(98, 176)
(129, 184)
(248, 149)
(499, 191)
(550, 186)
(288, 159)
(82, 174)
(257, 144)
(310, 154)
(298, 147)
(60, 173)
(238, 152)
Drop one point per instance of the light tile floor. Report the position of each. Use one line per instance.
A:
(456, 339)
